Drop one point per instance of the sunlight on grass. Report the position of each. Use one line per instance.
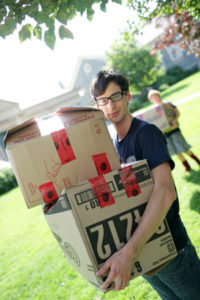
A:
(183, 88)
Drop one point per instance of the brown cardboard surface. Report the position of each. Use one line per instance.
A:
(45, 163)
(89, 234)
(161, 115)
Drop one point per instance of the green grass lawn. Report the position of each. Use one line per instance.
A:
(32, 265)
(183, 88)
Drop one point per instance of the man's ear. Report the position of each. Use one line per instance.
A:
(128, 96)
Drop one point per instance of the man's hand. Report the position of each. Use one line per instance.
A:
(119, 268)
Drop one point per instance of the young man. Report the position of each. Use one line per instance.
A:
(136, 140)
(176, 143)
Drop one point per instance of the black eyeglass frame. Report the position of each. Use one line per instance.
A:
(110, 98)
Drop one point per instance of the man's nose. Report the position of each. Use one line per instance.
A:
(110, 103)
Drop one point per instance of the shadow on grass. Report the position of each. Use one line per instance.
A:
(179, 88)
(195, 202)
(194, 177)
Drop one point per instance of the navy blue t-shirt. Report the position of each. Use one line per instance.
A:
(145, 141)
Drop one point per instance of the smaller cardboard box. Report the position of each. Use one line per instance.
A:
(59, 150)
(96, 218)
(161, 115)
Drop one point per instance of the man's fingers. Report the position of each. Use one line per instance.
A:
(108, 281)
(117, 278)
(103, 269)
(118, 285)
(106, 284)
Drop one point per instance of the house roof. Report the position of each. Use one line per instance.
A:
(5, 103)
(85, 69)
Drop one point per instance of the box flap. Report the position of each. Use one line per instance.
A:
(18, 128)
(34, 120)
(73, 109)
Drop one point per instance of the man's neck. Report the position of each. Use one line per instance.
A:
(122, 127)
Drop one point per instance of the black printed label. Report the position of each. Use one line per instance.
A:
(109, 235)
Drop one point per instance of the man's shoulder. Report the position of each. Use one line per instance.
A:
(143, 125)
(137, 122)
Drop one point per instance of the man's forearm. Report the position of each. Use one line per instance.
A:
(157, 207)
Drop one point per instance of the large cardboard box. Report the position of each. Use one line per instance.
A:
(94, 219)
(161, 115)
(58, 151)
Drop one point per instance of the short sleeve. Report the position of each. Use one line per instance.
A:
(153, 146)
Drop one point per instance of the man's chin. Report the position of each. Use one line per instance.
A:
(112, 120)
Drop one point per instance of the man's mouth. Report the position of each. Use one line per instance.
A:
(114, 114)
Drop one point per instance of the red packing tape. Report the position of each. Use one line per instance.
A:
(159, 111)
(141, 116)
(129, 181)
(48, 192)
(101, 163)
(102, 191)
(63, 146)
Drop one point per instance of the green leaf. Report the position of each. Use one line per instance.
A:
(4, 30)
(37, 32)
(65, 33)
(11, 23)
(48, 6)
(103, 5)
(90, 13)
(81, 6)
(62, 16)
(25, 32)
(41, 18)
(50, 22)
(117, 1)
(31, 10)
(50, 38)
(3, 13)
(71, 14)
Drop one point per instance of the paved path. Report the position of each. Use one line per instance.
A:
(195, 95)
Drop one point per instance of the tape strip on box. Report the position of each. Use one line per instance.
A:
(129, 181)
(48, 192)
(101, 163)
(102, 191)
(159, 110)
(63, 146)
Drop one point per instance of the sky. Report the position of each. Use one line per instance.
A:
(30, 72)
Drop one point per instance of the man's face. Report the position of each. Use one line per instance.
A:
(115, 111)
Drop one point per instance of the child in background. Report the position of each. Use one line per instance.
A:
(176, 143)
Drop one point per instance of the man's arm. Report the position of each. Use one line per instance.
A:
(119, 265)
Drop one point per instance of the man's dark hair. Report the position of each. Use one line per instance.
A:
(102, 80)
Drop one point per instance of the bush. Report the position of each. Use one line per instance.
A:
(163, 87)
(191, 71)
(173, 75)
(138, 102)
(7, 180)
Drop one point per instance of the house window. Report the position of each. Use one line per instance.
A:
(87, 68)
(174, 52)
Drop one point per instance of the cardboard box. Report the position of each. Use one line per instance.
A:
(161, 115)
(94, 219)
(45, 159)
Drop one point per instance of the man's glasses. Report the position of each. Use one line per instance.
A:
(114, 98)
